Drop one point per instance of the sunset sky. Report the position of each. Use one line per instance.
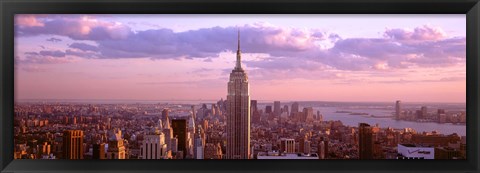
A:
(413, 58)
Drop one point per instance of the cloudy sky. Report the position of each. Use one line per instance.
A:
(413, 58)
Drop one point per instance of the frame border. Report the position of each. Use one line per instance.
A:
(8, 8)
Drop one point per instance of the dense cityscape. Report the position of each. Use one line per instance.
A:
(235, 128)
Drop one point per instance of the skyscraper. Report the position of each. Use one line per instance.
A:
(198, 145)
(323, 148)
(276, 108)
(168, 132)
(365, 143)
(73, 144)
(253, 106)
(153, 145)
(116, 149)
(287, 145)
(193, 112)
(308, 114)
(268, 109)
(285, 109)
(294, 108)
(254, 111)
(99, 151)
(165, 114)
(424, 112)
(398, 109)
(179, 127)
(238, 112)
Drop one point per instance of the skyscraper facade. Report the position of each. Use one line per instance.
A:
(276, 108)
(424, 112)
(253, 106)
(179, 127)
(193, 112)
(254, 111)
(99, 151)
(165, 114)
(153, 146)
(287, 145)
(308, 114)
(365, 143)
(238, 109)
(73, 144)
(116, 149)
(294, 108)
(398, 109)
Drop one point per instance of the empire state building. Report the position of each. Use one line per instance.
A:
(238, 109)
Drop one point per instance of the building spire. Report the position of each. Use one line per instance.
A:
(239, 64)
(238, 40)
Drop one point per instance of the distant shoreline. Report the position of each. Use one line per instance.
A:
(207, 101)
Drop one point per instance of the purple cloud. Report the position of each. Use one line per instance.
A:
(53, 39)
(289, 48)
(77, 27)
(418, 34)
(84, 47)
(47, 53)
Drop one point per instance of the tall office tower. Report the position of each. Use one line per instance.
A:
(294, 110)
(99, 151)
(190, 139)
(285, 109)
(398, 109)
(205, 125)
(424, 112)
(287, 145)
(168, 132)
(191, 126)
(213, 110)
(44, 149)
(116, 149)
(65, 120)
(365, 141)
(74, 120)
(301, 143)
(174, 142)
(109, 123)
(268, 109)
(179, 127)
(153, 145)
(254, 111)
(253, 106)
(193, 112)
(307, 147)
(198, 145)
(238, 109)
(440, 111)
(308, 114)
(323, 148)
(73, 144)
(276, 108)
(165, 114)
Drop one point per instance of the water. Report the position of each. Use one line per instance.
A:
(353, 120)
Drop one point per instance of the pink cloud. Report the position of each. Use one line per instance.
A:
(78, 27)
(289, 48)
(28, 21)
(421, 33)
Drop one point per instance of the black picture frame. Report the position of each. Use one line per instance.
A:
(8, 8)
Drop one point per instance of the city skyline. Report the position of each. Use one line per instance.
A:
(165, 61)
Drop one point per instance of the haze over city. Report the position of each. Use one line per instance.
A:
(415, 58)
(125, 75)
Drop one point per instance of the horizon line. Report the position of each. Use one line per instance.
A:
(215, 100)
